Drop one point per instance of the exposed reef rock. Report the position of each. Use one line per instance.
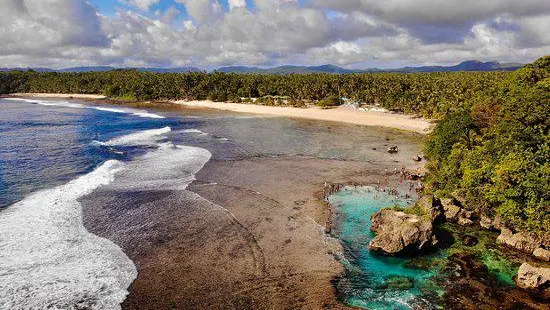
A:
(432, 207)
(530, 277)
(525, 242)
(456, 214)
(542, 254)
(397, 232)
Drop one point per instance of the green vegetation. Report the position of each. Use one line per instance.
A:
(431, 95)
(494, 152)
(490, 147)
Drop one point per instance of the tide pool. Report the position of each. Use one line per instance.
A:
(375, 281)
(372, 280)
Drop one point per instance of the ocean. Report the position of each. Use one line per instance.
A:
(60, 157)
(53, 153)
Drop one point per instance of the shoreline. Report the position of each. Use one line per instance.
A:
(56, 95)
(337, 114)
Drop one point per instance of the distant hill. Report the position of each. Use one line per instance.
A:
(108, 68)
(470, 65)
(287, 69)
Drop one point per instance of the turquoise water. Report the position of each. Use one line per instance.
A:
(372, 280)
(375, 281)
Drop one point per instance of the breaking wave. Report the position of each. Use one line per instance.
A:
(67, 104)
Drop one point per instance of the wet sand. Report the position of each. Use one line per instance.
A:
(249, 232)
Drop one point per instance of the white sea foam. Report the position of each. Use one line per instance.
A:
(192, 130)
(49, 260)
(67, 104)
(147, 114)
(170, 167)
(146, 137)
(110, 110)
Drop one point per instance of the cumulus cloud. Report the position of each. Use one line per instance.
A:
(35, 26)
(350, 33)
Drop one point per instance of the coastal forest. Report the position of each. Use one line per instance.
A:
(490, 145)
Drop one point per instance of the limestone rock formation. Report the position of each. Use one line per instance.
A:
(397, 232)
(530, 277)
(431, 206)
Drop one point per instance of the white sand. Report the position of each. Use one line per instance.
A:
(339, 114)
(55, 95)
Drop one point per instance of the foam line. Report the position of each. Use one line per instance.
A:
(146, 137)
(49, 260)
(68, 104)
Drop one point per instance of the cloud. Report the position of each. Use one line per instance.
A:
(233, 4)
(35, 26)
(358, 33)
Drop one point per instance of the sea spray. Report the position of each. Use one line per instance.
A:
(49, 260)
(68, 104)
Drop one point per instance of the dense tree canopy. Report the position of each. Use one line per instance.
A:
(495, 153)
(428, 94)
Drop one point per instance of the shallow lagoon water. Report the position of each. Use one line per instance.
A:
(372, 280)
(375, 281)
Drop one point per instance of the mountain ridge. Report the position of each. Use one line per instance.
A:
(469, 65)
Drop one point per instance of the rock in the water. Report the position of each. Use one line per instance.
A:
(486, 222)
(393, 150)
(399, 283)
(470, 240)
(451, 209)
(431, 206)
(542, 254)
(522, 241)
(397, 232)
(530, 277)
(417, 158)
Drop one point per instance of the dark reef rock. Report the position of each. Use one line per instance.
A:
(470, 286)
(393, 150)
(398, 233)
(470, 240)
(399, 283)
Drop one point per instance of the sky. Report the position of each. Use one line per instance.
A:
(265, 33)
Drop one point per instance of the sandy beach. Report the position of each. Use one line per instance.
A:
(338, 114)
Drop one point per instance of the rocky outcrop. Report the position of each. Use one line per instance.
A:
(525, 242)
(491, 224)
(397, 232)
(520, 240)
(542, 254)
(456, 214)
(530, 277)
(432, 207)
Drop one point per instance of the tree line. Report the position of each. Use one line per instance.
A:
(494, 153)
(428, 94)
